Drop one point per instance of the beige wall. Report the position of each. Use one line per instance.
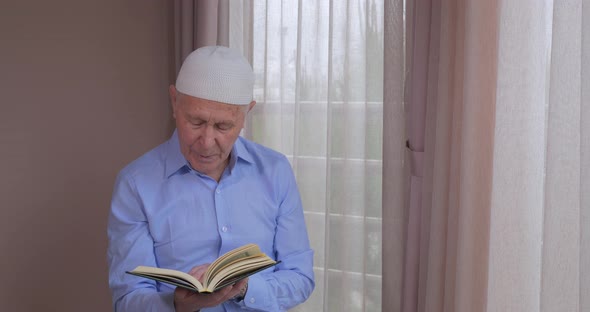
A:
(83, 91)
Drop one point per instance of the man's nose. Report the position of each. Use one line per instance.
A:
(207, 137)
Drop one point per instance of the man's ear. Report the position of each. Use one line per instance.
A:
(251, 105)
(173, 98)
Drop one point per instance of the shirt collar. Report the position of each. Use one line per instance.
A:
(175, 161)
(241, 151)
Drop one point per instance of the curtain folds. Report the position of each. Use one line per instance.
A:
(395, 174)
(497, 104)
(197, 24)
(319, 92)
(319, 89)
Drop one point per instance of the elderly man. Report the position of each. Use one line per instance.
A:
(204, 192)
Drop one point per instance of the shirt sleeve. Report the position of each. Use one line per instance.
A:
(293, 280)
(130, 245)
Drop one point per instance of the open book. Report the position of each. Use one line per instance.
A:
(226, 270)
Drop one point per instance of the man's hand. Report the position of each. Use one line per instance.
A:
(189, 301)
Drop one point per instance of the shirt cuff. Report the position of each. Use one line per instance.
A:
(257, 295)
(165, 302)
(168, 297)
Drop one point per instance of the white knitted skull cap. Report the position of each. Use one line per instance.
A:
(218, 74)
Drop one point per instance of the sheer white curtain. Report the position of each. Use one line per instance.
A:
(319, 88)
(499, 108)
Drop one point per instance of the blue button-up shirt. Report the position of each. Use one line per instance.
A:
(165, 214)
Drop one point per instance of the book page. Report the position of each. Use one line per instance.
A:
(166, 279)
(167, 274)
(227, 269)
(230, 281)
(229, 257)
(238, 267)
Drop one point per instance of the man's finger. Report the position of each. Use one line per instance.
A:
(219, 296)
(198, 271)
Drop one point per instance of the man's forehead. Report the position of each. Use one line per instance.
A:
(200, 102)
(200, 108)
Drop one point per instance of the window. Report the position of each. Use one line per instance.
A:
(319, 88)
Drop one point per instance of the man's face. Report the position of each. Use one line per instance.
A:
(207, 131)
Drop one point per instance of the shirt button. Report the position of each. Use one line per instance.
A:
(224, 229)
(218, 191)
(252, 300)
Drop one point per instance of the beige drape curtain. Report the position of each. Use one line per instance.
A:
(319, 87)
(394, 171)
(197, 24)
(319, 93)
(498, 159)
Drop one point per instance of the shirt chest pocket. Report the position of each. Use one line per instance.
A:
(183, 235)
(254, 219)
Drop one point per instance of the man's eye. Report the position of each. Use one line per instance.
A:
(197, 123)
(224, 126)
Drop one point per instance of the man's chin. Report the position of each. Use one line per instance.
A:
(208, 165)
(205, 167)
(205, 162)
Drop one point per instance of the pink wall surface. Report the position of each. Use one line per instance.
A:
(83, 91)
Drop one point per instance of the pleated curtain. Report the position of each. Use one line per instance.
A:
(319, 87)
(197, 24)
(497, 159)
(319, 93)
